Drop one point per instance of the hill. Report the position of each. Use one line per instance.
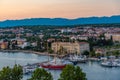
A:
(61, 21)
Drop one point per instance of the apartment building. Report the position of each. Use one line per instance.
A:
(115, 37)
(68, 47)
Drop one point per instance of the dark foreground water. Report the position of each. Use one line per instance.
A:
(93, 70)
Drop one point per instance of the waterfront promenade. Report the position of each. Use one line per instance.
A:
(25, 51)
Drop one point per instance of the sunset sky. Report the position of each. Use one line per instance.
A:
(19, 9)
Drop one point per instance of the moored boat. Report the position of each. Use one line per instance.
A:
(67, 62)
(30, 68)
(107, 64)
(110, 64)
(55, 64)
(78, 59)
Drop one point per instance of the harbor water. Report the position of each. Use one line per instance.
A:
(93, 70)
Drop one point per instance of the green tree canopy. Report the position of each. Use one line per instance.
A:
(86, 53)
(5, 73)
(14, 73)
(41, 74)
(17, 72)
(72, 73)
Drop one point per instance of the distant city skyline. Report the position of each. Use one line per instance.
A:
(20, 9)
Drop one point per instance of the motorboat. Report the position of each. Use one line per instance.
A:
(107, 64)
(77, 59)
(110, 64)
(30, 68)
(67, 62)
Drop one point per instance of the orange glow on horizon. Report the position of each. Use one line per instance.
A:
(19, 9)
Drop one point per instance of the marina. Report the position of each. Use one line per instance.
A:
(91, 68)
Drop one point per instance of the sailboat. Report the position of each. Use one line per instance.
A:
(56, 63)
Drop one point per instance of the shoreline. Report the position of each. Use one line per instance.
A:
(32, 52)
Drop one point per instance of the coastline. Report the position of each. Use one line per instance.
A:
(32, 52)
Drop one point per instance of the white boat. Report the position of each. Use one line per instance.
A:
(76, 58)
(107, 64)
(30, 68)
(103, 58)
(111, 64)
(94, 59)
(118, 64)
(67, 62)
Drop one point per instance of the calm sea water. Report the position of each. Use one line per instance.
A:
(93, 70)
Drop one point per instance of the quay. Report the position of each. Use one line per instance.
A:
(29, 68)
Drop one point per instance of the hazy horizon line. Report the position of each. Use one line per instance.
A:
(58, 17)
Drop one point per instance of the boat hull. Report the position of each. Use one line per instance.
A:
(57, 67)
(53, 66)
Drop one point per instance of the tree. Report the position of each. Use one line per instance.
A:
(17, 72)
(98, 55)
(79, 74)
(41, 74)
(116, 53)
(92, 54)
(50, 51)
(86, 53)
(5, 73)
(14, 73)
(72, 73)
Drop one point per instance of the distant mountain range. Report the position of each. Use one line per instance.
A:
(60, 21)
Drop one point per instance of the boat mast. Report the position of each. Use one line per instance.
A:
(56, 52)
(47, 51)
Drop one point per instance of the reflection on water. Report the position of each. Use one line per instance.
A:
(93, 70)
